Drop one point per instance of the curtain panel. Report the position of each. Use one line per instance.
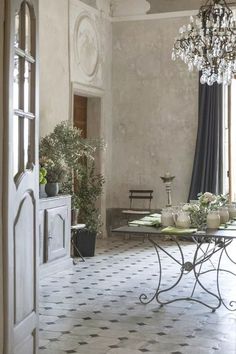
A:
(207, 175)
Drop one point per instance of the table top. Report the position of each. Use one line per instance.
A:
(154, 231)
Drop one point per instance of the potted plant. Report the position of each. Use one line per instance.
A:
(88, 190)
(56, 173)
(83, 183)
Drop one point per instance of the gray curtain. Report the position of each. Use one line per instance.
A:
(207, 173)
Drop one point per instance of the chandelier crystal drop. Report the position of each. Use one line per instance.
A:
(208, 43)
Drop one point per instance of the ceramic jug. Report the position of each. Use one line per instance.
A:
(182, 220)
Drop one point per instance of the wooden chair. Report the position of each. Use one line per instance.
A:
(139, 194)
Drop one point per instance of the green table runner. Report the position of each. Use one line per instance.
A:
(170, 230)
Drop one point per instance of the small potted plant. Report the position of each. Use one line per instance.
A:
(56, 173)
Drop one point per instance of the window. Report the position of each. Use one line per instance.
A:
(230, 140)
(23, 91)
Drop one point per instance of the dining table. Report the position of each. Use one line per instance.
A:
(211, 247)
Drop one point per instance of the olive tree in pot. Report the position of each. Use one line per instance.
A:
(83, 183)
(89, 188)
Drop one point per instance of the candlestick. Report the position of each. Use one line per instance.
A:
(167, 180)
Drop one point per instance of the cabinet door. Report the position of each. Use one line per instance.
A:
(41, 237)
(57, 232)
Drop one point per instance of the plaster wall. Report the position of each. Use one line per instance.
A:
(54, 64)
(154, 111)
(1, 180)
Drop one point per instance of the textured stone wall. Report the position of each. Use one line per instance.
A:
(54, 64)
(154, 111)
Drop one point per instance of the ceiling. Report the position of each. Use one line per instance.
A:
(158, 6)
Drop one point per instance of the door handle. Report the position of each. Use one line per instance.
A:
(50, 236)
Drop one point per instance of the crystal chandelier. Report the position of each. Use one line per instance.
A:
(209, 43)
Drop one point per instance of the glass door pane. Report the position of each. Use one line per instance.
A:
(27, 29)
(27, 86)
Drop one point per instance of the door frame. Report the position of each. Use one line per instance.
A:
(2, 17)
(94, 92)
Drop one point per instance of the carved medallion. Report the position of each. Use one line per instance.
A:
(86, 45)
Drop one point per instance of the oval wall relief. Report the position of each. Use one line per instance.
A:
(86, 45)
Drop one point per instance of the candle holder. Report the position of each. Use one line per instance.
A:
(167, 180)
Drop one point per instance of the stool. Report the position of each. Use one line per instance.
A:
(75, 229)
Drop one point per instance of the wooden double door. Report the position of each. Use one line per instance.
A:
(20, 198)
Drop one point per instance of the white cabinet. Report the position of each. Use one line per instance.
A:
(54, 234)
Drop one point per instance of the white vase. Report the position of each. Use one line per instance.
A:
(213, 220)
(232, 211)
(167, 218)
(224, 215)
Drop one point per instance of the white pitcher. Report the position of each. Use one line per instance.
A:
(183, 220)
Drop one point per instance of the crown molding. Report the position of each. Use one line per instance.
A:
(158, 16)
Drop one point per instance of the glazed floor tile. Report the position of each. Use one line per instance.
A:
(94, 307)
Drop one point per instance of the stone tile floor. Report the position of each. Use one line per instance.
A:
(94, 307)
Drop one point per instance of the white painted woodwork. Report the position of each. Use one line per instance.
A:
(23, 260)
(1, 177)
(55, 234)
(41, 237)
(56, 220)
(21, 192)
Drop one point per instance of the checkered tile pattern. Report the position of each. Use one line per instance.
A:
(94, 307)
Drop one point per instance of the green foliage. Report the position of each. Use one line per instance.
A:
(89, 188)
(66, 147)
(56, 172)
(205, 203)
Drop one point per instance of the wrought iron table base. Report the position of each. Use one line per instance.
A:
(214, 246)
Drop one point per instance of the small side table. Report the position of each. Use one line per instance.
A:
(75, 229)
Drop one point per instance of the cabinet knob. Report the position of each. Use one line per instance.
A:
(50, 236)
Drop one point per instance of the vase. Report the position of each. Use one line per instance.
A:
(52, 189)
(167, 217)
(232, 211)
(224, 215)
(213, 220)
